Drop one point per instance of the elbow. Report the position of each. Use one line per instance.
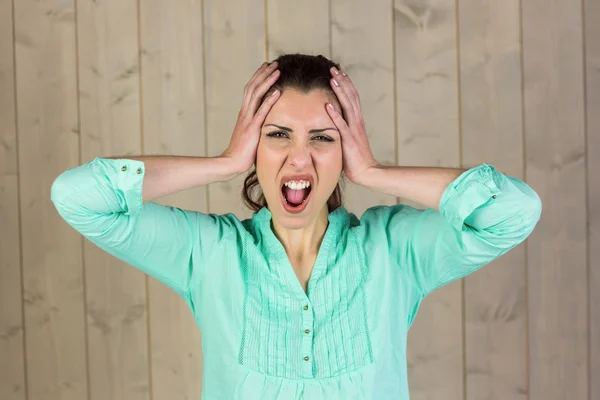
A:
(531, 209)
(59, 189)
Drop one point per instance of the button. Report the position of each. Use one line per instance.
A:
(306, 331)
(124, 168)
(493, 196)
(139, 170)
(306, 358)
(306, 307)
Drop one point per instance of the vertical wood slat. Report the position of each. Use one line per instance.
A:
(362, 42)
(235, 49)
(109, 108)
(297, 27)
(555, 167)
(495, 296)
(173, 119)
(48, 138)
(427, 117)
(12, 368)
(591, 12)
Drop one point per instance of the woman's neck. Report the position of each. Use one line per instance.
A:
(304, 242)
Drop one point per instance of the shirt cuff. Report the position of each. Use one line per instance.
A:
(127, 177)
(472, 189)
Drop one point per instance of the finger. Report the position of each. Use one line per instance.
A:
(258, 78)
(343, 98)
(337, 119)
(258, 93)
(261, 68)
(350, 89)
(265, 107)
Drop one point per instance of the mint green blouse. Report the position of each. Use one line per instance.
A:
(263, 337)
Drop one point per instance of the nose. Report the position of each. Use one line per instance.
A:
(299, 155)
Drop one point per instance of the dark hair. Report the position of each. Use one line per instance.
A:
(304, 73)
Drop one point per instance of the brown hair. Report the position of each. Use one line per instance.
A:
(303, 73)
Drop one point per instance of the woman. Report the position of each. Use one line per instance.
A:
(303, 300)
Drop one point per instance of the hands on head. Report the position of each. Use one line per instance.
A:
(357, 155)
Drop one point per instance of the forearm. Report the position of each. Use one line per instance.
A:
(170, 174)
(423, 185)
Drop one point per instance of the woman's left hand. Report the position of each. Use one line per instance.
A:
(357, 156)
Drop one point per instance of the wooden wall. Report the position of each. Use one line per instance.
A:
(514, 83)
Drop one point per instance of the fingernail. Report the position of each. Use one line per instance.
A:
(335, 71)
(275, 92)
(336, 83)
(330, 106)
(344, 74)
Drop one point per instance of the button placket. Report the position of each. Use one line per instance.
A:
(307, 341)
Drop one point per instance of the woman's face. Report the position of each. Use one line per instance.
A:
(299, 138)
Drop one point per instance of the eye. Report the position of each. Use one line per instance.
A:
(324, 138)
(276, 134)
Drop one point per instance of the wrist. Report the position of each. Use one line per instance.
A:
(231, 167)
(369, 175)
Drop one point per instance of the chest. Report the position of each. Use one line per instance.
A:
(303, 268)
(306, 318)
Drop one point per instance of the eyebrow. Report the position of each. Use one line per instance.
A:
(285, 128)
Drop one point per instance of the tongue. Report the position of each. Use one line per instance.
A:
(294, 197)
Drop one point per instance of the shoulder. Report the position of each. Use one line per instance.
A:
(383, 215)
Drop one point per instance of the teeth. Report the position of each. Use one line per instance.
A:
(297, 185)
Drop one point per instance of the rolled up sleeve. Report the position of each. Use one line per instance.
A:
(483, 214)
(102, 200)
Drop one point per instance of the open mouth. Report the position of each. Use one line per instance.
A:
(296, 197)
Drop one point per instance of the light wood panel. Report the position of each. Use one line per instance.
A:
(530, 317)
(592, 78)
(48, 138)
(362, 42)
(173, 120)
(555, 167)
(12, 368)
(495, 296)
(428, 135)
(297, 27)
(109, 109)
(235, 47)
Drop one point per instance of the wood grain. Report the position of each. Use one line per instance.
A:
(172, 36)
(428, 135)
(362, 42)
(592, 67)
(297, 27)
(109, 105)
(555, 168)
(235, 48)
(48, 137)
(491, 104)
(12, 368)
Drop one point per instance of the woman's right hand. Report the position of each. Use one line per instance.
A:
(246, 134)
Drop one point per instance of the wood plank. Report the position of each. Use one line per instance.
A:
(555, 168)
(362, 42)
(491, 99)
(428, 135)
(297, 27)
(12, 368)
(235, 48)
(110, 125)
(48, 137)
(173, 120)
(592, 67)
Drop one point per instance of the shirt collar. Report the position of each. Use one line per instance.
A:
(339, 220)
